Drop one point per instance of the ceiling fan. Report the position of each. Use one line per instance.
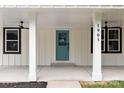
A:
(21, 25)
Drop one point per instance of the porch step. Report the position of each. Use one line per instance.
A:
(63, 64)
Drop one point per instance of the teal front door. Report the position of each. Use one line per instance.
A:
(62, 45)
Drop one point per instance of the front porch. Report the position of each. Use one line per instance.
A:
(40, 44)
(52, 73)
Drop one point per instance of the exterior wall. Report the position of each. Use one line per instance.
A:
(47, 46)
(80, 45)
(79, 48)
(15, 59)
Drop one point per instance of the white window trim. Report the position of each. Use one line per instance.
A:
(114, 40)
(11, 40)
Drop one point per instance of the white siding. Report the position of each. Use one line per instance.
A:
(1, 40)
(80, 45)
(15, 59)
(80, 40)
(80, 48)
(25, 48)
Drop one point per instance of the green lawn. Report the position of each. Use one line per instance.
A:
(102, 84)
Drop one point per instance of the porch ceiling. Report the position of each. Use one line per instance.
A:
(59, 16)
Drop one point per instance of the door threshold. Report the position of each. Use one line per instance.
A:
(63, 64)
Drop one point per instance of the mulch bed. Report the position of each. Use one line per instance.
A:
(24, 85)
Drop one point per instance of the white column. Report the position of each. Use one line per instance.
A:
(32, 47)
(97, 74)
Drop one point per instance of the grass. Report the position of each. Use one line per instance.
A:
(102, 84)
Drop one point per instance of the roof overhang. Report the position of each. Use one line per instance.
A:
(62, 3)
(65, 6)
(104, 4)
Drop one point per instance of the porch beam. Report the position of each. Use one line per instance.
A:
(32, 47)
(97, 69)
(64, 6)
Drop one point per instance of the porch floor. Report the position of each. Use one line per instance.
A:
(49, 73)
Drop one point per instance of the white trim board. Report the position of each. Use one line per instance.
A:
(64, 6)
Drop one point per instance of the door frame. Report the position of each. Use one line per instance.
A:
(62, 61)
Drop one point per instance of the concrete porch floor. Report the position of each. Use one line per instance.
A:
(20, 73)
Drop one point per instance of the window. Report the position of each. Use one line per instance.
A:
(12, 40)
(62, 39)
(110, 40)
(113, 40)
